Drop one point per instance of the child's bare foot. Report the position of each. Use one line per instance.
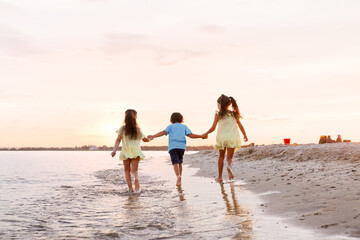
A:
(219, 180)
(178, 182)
(181, 194)
(137, 185)
(131, 190)
(231, 175)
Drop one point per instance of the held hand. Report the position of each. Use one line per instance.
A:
(113, 153)
(204, 136)
(245, 139)
(150, 137)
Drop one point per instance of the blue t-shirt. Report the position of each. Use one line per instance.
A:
(177, 133)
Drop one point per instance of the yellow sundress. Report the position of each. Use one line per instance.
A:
(130, 147)
(228, 135)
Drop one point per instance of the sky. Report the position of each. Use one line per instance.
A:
(70, 68)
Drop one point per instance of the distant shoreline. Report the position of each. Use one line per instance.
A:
(144, 148)
(102, 148)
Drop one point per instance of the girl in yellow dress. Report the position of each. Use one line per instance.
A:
(130, 135)
(228, 137)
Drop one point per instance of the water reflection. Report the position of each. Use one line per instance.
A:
(96, 202)
(233, 208)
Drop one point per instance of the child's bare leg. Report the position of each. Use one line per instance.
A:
(134, 172)
(127, 174)
(229, 157)
(178, 174)
(180, 168)
(220, 164)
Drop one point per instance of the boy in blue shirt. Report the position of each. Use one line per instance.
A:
(177, 142)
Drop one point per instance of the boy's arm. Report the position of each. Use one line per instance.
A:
(242, 130)
(116, 145)
(159, 134)
(192, 135)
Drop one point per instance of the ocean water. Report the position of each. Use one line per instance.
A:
(83, 195)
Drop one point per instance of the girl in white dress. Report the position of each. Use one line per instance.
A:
(130, 135)
(228, 136)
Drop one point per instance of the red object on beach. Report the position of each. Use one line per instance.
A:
(286, 140)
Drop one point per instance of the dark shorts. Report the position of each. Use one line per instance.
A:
(177, 155)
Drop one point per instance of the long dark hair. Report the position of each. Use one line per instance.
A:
(225, 102)
(130, 127)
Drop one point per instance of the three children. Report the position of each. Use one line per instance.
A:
(227, 140)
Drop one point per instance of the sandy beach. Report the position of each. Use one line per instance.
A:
(313, 186)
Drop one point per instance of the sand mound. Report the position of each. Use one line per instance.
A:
(324, 152)
(315, 185)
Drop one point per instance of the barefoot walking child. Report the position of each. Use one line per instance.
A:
(228, 137)
(177, 142)
(130, 135)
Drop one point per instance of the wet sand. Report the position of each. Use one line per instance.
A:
(77, 195)
(312, 186)
(204, 210)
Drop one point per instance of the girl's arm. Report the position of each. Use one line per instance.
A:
(213, 127)
(116, 145)
(242, 130)
(159, 134)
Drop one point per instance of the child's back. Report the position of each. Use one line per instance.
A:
(177, 142)
(177, 135)
(130, 147)
(228, 133)
(228, 136)
(130, 135)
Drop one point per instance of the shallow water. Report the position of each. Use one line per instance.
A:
(76, 195)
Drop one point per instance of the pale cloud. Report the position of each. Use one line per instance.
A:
(212, 29)
(270, 118)
(6, 7)
(96, 1)
(176, 56)
(127, 42)
(117, 44)
(294, 44)
(12, 97)
(15, 43)
(171, 58)
(335, 100)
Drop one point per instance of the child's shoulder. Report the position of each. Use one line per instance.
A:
(178, 125)
(120, 130)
